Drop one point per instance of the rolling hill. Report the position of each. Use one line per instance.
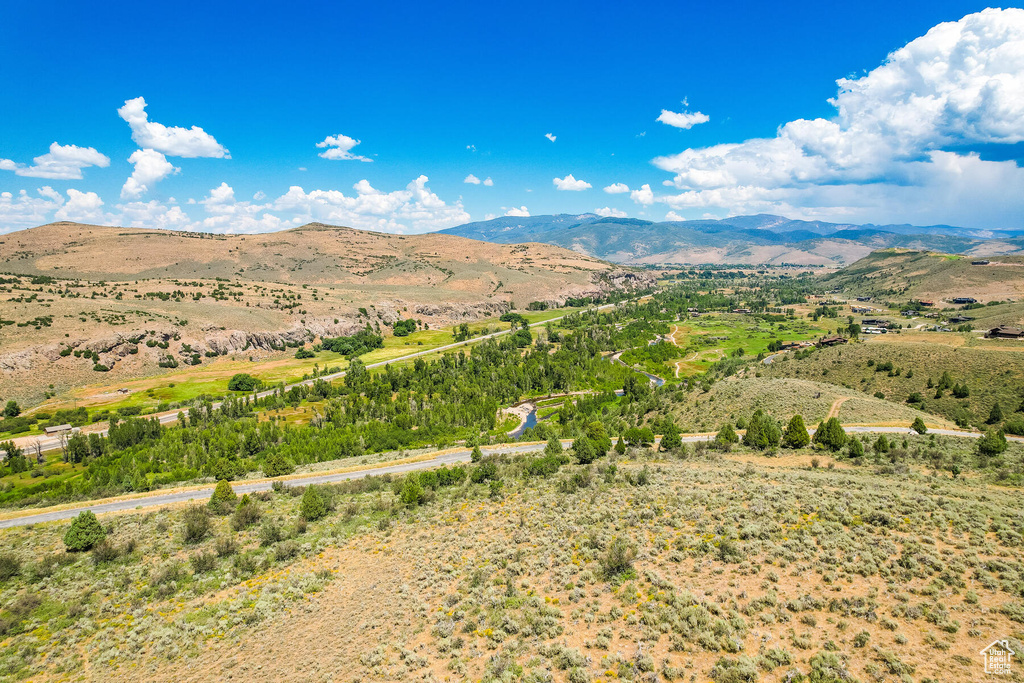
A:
(761, 239)
(930, 275)
(92, 290)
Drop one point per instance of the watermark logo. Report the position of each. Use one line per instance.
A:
(997, 657)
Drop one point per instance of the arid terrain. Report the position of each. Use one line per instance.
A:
(138, 297)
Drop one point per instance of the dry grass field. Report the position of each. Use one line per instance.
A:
(738, 397)
(903, 274)
(731, 568)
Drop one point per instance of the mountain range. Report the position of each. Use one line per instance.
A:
(757, 239)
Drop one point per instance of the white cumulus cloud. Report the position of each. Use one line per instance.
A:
(81, 207)
(472, 179)
(521, 212)
(609, 212)
(173, 141)
(569, 183)
(904, 137)
(338, 147)
(551, 136)
(150, 167)
(643, 196)
(617, 188)
(684, 120)
(488, 182)
(62, 162)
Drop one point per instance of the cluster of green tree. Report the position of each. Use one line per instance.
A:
(354, 345)
(403, 328)
(424, 403)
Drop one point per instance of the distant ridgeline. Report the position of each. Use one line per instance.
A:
(761, 239)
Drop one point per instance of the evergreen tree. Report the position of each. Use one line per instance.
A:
(830, 434)
(855, 448)
(554, 447)
(762, 432)
(726, 437)
(312, 507)
(620, 446)
(671, 440)
(476, 454)
(584, 451)
(996, 414)
(919, 425)
(993, 443)
(881, 444)
(85, 532)
(223, 499)
(796, 435)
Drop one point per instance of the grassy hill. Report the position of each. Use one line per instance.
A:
(992, 371)
(781, 397)
(932, 275)
(189, 296)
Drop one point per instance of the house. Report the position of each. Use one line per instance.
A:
(741, 310)
(59, 429)
(964, 300)
(981, 262)
(1005, 332)
(997, 657)
(875, 322)
(908, 314)
(957, 319)
(861, 309)
(831, 341)
(874, 330)
(926, 303)
(863, 298)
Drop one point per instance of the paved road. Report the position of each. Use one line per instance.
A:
(52, 443)
(462, 455)
(202, 494)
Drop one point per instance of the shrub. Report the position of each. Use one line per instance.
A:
(919, 426)
(104, 551)
(304, 353)
(270, 533)
(223, 498)
(197, 524)
(996, 414)
(412, 493)
(85, 532)
(553, 447)
(740, 670)
(618, 558)
(203, 562)
(796, 435)
(10, 566)
(246, 514)
(313, 505)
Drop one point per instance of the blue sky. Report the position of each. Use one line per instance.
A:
(436, 95)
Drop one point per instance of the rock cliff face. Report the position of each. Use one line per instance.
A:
(139, 351)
